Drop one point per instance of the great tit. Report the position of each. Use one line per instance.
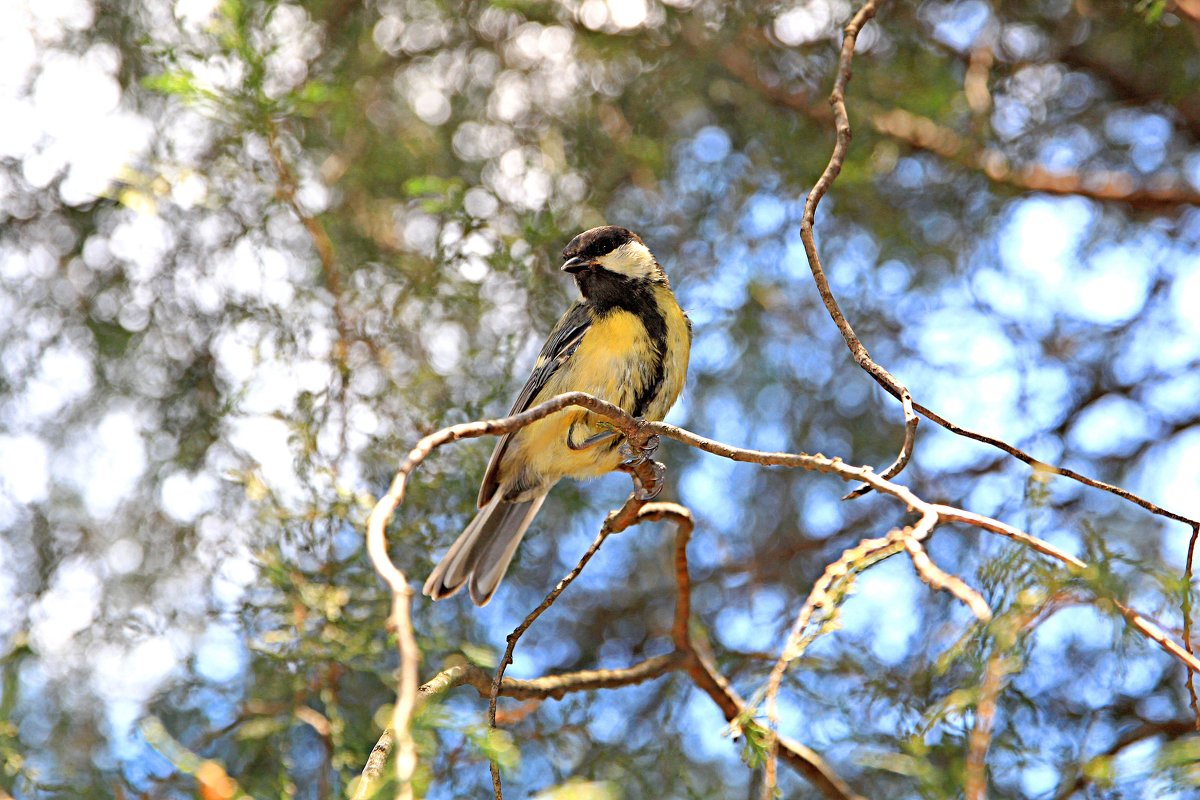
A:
(627, 341)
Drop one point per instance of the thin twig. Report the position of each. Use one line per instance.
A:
(1187, 620)
(616, 522)
(980, 739)
(637, 432)
(906, 448)
(841, 120)
(858, 350)
(937, 579)
(1042, 466)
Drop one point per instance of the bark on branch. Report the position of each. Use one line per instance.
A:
(634, 512)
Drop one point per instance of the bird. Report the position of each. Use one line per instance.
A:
(625, 340)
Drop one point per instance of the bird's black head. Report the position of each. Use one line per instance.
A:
(605, 259)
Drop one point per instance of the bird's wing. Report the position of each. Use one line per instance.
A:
(559, 347)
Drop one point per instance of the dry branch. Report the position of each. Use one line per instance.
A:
(927, 135)
(922, 133)
(551, 686)
(616, 522)
(1187, 620)
(635, 511)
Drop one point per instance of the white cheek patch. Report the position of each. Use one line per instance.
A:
(632, 259)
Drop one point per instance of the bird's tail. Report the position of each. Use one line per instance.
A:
(484, 549)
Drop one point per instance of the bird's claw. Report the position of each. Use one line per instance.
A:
(645, 492)
(642, 454)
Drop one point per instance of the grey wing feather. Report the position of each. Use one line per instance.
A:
(556, 351)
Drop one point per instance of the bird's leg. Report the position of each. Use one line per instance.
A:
(591, 441)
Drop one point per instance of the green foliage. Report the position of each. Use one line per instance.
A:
(199, 402)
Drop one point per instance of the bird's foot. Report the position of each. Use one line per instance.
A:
(648, 487)
(647, 473)
(633, 457)
(648, 477)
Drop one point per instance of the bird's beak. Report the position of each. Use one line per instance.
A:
(576, 264)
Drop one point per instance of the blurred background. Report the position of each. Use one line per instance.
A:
(251, 251)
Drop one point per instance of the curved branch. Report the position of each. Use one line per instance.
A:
(837, 99)
(635, 511)
(947, 144)
(616, 522)
(906, 448)
(551, 686)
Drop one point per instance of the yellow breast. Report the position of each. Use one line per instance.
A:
(611, 363)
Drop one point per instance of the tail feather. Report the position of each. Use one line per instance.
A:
(484, 549)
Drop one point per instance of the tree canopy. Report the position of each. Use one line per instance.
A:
(252, 251)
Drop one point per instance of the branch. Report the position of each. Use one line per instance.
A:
(372, 773)
(1187, 620)
(885, 379)
(552, 686)
(837, 99)
(400, 622)
(937, 579)
(922, 133)
(635, 511)
(616, 522)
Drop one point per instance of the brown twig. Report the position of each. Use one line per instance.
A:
(944, 142)
(837, 100)
(1187, 620)
(634, 511)
(906, 448)
(980, 739)
(400, 622)
(616, 522)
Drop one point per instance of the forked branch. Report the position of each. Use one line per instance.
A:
(635, 511)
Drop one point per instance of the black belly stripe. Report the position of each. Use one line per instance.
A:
(656, 327)
(606, 292)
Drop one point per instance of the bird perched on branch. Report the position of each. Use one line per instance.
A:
(626, 341)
